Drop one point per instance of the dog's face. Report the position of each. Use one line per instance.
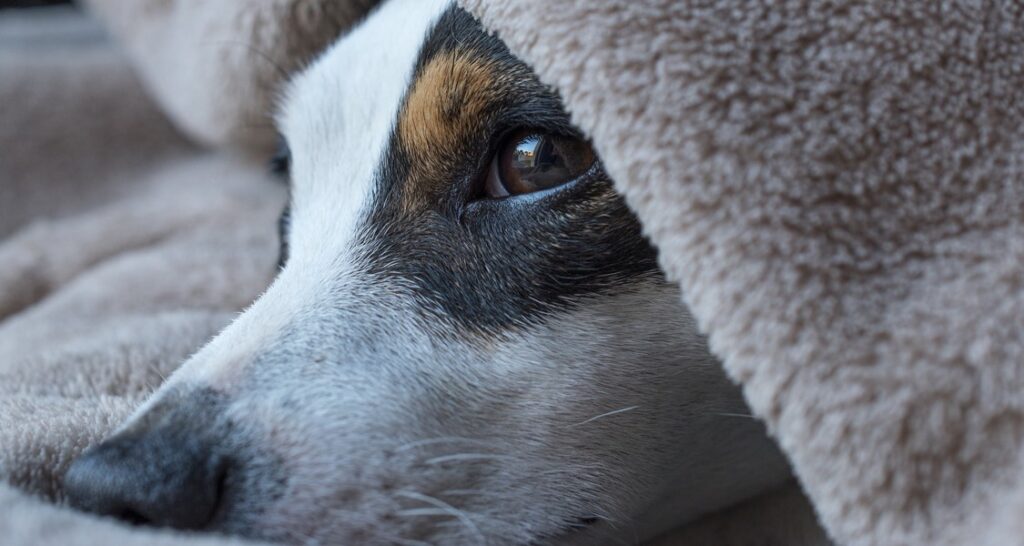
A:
(469, 341)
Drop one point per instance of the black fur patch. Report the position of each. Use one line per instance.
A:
(481, 264)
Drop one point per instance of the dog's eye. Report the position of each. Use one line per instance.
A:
(530, 161)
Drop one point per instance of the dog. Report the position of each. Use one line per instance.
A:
(469, 340)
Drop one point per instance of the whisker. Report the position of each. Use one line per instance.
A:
(413, 512)
(306, 539)
(600, 517)
(468, 457)
(607, 519)
(447, 509)
(403, 541)
(441, 440)
(464, 492)
(154, 369)
(726, 414)
(607, 414)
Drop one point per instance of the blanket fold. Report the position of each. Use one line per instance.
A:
(216, 68)
(125, 248)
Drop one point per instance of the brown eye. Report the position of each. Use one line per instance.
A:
(530, 161)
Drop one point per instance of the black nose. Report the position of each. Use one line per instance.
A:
(156, 478)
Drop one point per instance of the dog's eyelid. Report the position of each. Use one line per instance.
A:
(555, 130)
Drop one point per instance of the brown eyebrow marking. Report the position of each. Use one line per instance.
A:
(447, 106)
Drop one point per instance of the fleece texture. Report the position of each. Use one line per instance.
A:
(89, 320)
(123, 249)
(217, 71)
(838, 188)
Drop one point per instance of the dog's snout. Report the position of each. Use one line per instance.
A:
(151, 478)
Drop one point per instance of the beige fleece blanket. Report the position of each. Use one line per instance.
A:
(836, 186)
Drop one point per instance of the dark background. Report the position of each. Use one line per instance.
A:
(30, 3)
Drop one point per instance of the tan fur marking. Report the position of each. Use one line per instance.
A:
(447, 105)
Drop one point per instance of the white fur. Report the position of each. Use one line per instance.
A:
(386, 432)
(338, 116)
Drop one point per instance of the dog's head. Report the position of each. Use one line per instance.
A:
(469, 340)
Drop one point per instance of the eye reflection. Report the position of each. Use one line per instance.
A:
(531, 161)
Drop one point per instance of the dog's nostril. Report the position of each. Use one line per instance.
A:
(149, 479)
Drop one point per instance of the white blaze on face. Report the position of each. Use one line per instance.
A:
(337, 117)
